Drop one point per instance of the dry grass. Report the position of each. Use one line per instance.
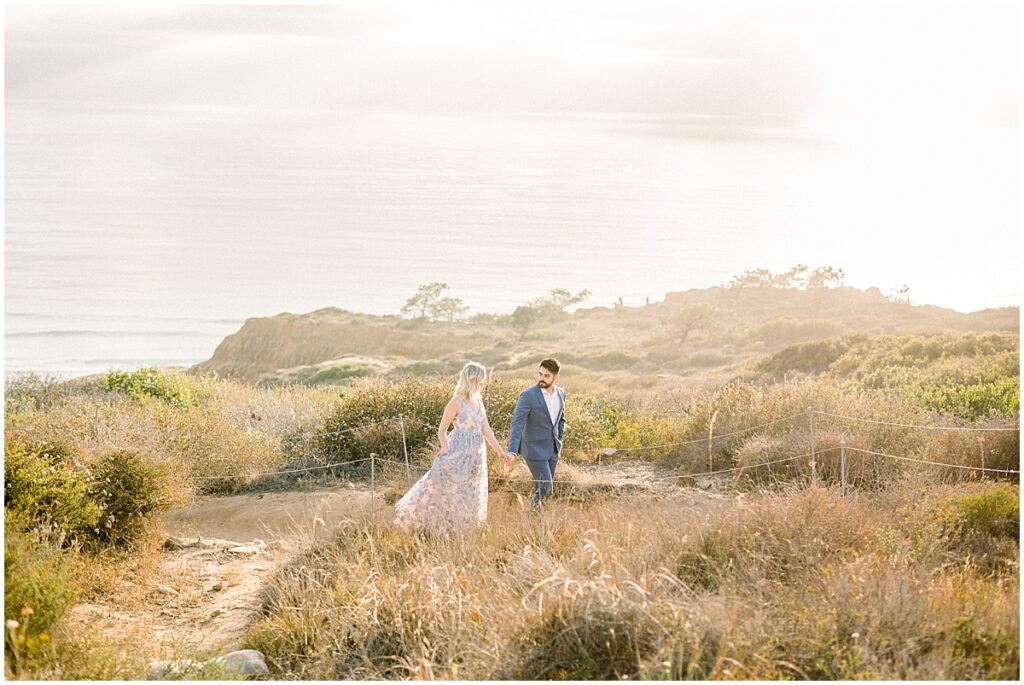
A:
(901, 580)
(793, 584)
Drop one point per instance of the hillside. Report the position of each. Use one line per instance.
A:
(690, 338)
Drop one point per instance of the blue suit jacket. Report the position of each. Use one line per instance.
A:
(533, 436)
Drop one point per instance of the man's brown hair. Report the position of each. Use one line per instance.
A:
(551, 364)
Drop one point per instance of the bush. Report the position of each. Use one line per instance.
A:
(201, 446)
(37, 575)
(172, 388)
(48, 485)
(810, 358)
(995, 513)
(964, 375)
(106, 504)
(976, 523)
(128, 489)
(336, 375)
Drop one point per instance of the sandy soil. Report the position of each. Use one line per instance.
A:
(220, 554)
(206, 584)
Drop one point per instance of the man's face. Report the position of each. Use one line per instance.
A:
(545, 378)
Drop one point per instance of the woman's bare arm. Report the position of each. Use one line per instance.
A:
(451, 410)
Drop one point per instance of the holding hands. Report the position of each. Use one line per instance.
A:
(510, 459)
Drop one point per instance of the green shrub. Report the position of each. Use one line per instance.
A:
(172, 388)
(37, 575)
(335, 375)
(995, 512)
(970, 400)
(104, 504)
(993, 653)
(965, 375)
(128, 489)
(811, 358)
(424, 368)
(47, 485)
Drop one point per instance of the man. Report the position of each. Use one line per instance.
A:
(538, 424)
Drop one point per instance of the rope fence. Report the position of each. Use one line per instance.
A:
(914, 425)
(810, 412)
(934, 463)
(710, 438)
(278, 473)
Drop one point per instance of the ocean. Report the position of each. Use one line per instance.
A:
(143, 236)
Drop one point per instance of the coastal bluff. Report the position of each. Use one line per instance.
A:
(741, 325)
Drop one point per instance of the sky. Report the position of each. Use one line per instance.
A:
(856, 68)
(924, 99)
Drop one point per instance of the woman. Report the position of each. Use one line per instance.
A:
(452, 495)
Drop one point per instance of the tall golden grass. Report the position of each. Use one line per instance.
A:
(795, 584)
(605, 583)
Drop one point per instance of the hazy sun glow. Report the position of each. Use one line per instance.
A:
(232, 161)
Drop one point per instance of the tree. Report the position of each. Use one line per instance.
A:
(690, 318)
(757, 278)
(902, 294)
(793, 278)
(544, 308)
(557, 300)
(523, 319)
(448, 308)
(825, 277)
(425, 299)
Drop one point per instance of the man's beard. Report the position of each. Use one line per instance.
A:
(543, 384)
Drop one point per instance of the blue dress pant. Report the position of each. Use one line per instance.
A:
(543, 471)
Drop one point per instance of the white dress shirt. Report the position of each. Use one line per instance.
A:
(554, 403)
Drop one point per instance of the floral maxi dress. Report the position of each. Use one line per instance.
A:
(452, 495)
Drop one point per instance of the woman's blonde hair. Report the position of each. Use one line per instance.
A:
(471, 380)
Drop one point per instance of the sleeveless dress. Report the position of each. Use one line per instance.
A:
(452, 495)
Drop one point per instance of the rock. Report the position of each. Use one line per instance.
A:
(176, 543)
(255, 547)
(686, 481)
(245, 662)
(166, 589)
(245, 549)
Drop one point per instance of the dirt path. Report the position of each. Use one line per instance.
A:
(220, 554)
(205, 584)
